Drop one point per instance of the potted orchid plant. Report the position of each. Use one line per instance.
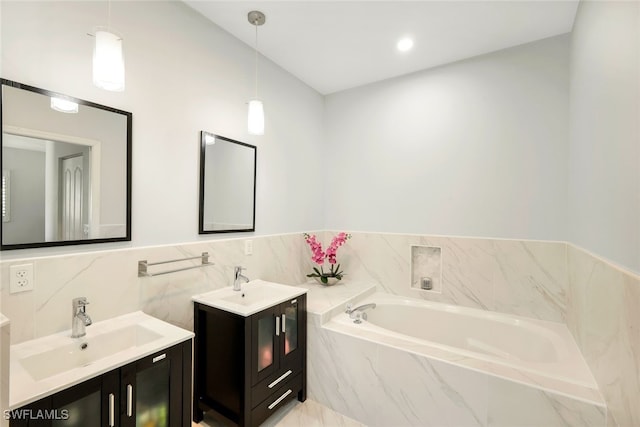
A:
(334, 275)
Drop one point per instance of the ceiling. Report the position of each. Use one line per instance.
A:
(337, 45)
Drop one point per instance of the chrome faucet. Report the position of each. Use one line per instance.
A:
(239, 278)
(80, 319)
(358, 313)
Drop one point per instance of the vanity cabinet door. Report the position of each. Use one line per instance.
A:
(151, 390)
(293, 337)
(266, 329)
(91, 403)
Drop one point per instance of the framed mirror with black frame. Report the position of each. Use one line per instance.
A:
(66, 169)
(227, 185)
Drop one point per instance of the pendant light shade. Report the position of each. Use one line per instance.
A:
(108, 61)
(255, 121)
(256, 117)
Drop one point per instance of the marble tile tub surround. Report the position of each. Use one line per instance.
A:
(522, 277)
(110, 282)
(356, 377)
(603, 315)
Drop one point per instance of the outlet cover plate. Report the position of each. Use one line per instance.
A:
(20, 278)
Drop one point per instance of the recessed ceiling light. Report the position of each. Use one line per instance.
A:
(405, 44)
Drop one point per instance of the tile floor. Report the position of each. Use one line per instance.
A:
(297, 414)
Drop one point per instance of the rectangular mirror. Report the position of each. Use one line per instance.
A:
(227, 185)
(66, 170)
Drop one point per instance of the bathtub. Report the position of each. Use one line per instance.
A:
(464, 335)
(419, 363)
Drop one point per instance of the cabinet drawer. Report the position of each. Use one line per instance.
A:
(264, 388)
(289, 390)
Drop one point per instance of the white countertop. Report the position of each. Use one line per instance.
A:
(255, 296)
(4, 320)
(25, 389)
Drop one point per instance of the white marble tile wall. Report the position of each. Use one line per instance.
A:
(382, 386)
(511, 276)
(110, 282)
(602, 314)
(527, 278)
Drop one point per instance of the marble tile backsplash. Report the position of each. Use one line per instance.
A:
(519, 277)
(109, 280)
(526, 278)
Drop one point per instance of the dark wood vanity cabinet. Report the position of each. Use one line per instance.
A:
(248, 367)
(152, 391)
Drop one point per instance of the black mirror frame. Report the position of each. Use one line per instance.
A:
(128, 115)
(203, 147)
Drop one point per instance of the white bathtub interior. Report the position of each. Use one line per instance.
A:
(534, 346)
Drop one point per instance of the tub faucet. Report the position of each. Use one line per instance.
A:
(358, 313)
(80, 319)
(239, 278)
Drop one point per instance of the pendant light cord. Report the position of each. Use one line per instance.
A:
(256, 57)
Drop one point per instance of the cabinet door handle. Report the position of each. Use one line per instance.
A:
(112, 410)
(129, 400)
(277, 326)
(278, 400)
(159, 358)
(280, 378)
(284, 319)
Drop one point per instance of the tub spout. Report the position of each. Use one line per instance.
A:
(358, 313)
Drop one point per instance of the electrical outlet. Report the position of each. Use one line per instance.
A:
(248, 247)
(20, 278)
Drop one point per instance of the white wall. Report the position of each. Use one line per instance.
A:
(604, 172)
(184, 75)
(474, 148)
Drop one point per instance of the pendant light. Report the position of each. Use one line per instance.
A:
(64, 105)
(108, 60)
(255, 123)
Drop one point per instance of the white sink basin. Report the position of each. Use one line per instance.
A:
(43, 366)
(86, 350)
(254, 297)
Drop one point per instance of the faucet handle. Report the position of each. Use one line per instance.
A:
(349, 308)
(80, 301)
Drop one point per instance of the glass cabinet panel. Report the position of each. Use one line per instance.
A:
(80, 413)
(265, 342)
(291, 328)
(152, 396)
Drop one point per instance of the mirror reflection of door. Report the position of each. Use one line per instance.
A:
(73, 209)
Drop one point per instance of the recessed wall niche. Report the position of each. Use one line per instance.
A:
(426, 266)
